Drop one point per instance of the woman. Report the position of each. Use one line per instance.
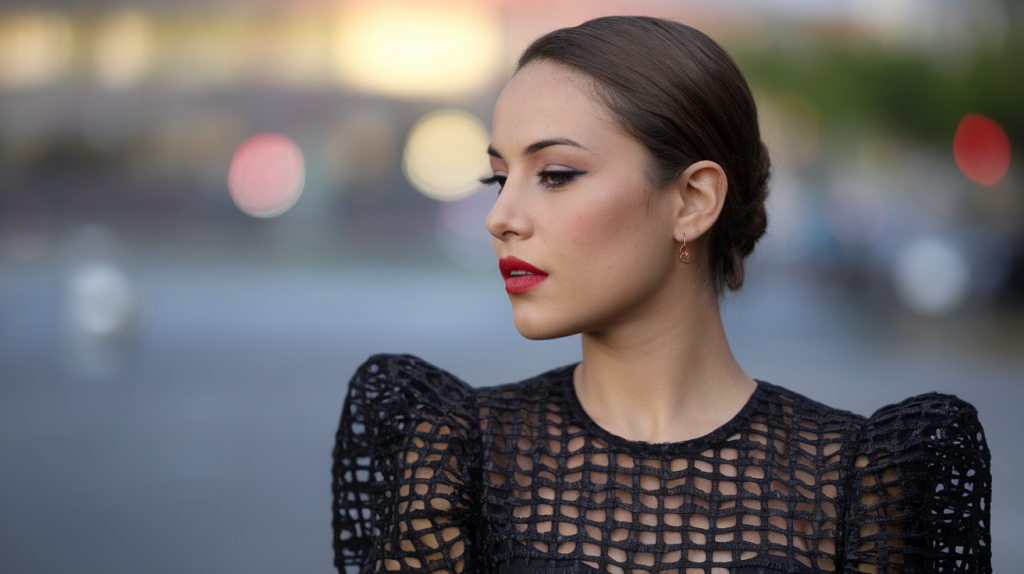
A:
(633, 183)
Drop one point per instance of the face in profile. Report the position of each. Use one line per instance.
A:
(583, 241)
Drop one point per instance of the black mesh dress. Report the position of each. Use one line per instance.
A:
(431, 475)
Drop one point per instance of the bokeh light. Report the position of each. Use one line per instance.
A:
(446, 153)
(35, 49)
(415, 50)
(267, 175)
(124, 48)
(981, 149)
(102, 302)
(932, 276)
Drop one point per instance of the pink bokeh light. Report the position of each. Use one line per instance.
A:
(267, 175)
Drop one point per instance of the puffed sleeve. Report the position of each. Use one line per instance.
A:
(403, 498)
(921, 490)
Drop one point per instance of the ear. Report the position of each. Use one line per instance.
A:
(701, 188)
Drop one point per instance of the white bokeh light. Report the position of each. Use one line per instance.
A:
(932, 276)
(102, 302)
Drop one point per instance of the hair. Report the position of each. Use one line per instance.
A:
(682, 96)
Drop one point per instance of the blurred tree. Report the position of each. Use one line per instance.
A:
(909, 93)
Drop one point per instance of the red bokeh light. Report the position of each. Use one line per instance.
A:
(981, 149)
(267, 174)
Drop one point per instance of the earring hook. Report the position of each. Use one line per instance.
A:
(684, 254)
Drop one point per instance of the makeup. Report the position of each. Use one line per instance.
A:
(519, 275)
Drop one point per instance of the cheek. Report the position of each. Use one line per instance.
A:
(608, 231)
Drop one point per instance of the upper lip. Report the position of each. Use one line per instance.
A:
(509, 264)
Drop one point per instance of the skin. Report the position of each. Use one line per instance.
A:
(576, 202)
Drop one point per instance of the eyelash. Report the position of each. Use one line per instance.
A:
(494, 179)
(559, 178)
(554, 178)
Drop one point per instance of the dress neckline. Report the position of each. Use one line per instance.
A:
(694, 445)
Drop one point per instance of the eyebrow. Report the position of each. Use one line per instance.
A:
(536, 147)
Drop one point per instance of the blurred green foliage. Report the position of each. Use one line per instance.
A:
(910, 93)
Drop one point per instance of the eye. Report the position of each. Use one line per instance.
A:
(496, 178)
(554, 179)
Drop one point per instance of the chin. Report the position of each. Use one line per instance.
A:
(538, 326)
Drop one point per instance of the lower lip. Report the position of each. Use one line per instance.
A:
(523, 283)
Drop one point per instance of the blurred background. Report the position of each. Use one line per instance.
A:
(212, 212)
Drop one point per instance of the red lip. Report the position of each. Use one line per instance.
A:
(520, 283)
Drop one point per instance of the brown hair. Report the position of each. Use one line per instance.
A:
(683, 97)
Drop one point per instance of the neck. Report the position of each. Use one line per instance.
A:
(666, 375)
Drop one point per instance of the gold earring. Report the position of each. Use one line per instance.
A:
(684, 254)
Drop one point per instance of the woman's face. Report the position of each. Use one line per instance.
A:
(575, 205)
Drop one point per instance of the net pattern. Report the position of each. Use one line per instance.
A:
(431, 475)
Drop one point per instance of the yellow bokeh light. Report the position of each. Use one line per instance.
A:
(415, 50)
(445, 154)
(35, 49)
(124, 50)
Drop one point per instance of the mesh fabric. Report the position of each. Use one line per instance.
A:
(431, 475)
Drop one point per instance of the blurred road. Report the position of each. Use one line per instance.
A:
(209, 451)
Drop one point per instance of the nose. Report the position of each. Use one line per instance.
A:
(509, 218)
